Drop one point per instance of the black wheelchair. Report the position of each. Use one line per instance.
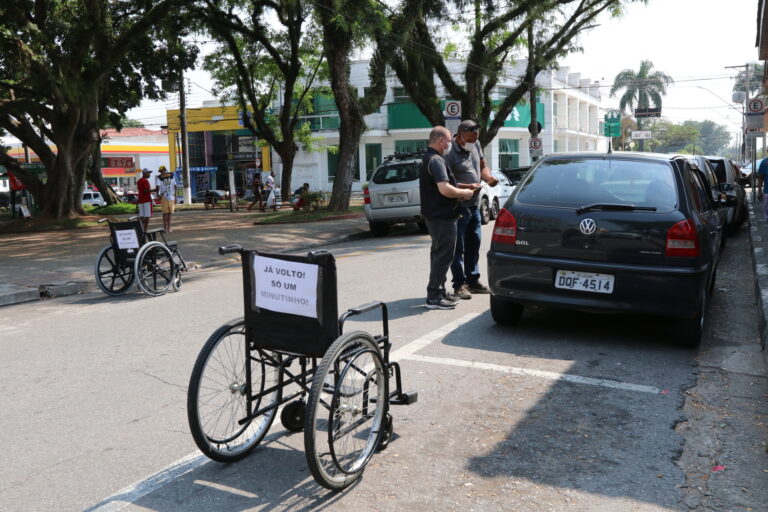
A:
(289, 350)
(133, 254)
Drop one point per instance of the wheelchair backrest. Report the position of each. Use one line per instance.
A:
(127, 238)
(291, 303)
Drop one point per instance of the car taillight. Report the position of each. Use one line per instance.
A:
(682, 240)
(505, 229)
(366, 196)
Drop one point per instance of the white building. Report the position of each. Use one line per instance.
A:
(568, 109)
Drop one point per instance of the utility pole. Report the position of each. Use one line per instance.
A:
(184, 141)
(747, 143)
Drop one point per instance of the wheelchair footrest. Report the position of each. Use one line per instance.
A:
(404, 398)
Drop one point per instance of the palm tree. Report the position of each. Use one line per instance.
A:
(642, 89)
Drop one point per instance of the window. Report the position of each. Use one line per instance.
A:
(411, 146)
(509, 153)
(400, 95)
(398, 173)
(333, 165)
(372, 159)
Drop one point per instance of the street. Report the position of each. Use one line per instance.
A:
(567, 411)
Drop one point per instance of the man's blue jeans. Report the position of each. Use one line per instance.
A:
(465, 268)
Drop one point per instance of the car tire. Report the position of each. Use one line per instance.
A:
(379, 228)
(485, 211)
(689, 330)
(495, 209)
(505, 312)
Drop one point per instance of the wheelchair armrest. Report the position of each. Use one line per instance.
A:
(364, 308)
(153, 231)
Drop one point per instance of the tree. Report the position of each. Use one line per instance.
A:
(124, 122)
(642, 89)
(756, 73)
(496, 30)
(347, 24)
(261, 61)
(66, 69)
(713, 138)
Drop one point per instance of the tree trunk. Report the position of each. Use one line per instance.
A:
(287, 152)
(94, 174)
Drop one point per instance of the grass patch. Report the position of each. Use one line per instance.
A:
(303, 216)
(112, 209)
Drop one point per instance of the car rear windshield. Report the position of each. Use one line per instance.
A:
(396, 173)
(574, 183)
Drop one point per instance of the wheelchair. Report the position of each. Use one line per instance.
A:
(289, 350)
(133, 254)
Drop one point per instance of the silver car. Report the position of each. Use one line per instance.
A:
(392, 194)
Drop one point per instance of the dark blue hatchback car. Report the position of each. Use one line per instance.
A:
(620, 232)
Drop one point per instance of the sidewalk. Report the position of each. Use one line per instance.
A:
(57, 263)
(758, 239)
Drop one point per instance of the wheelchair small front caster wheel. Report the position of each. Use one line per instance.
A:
(292, 416)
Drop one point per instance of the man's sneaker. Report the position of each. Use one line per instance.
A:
(462, 292)
(478, 288)
(440, 303)
(451, 297)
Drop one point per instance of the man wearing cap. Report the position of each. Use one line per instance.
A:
(145, 198)
(167, 191)
(467, 163)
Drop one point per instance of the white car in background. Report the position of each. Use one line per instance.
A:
(93, 198)
(493, 198)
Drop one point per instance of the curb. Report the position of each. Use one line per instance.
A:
(336, 217)
(757, 230)
(54, 290)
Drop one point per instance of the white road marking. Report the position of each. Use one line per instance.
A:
(536, 373)
(138, 490)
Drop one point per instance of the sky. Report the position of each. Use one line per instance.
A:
(691, 40)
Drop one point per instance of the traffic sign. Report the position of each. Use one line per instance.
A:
(535, 147)
(755, 105)
(453, 109)
(648, 112)
(641, 134)
(612, 124)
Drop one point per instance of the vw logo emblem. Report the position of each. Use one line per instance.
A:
(587, 226)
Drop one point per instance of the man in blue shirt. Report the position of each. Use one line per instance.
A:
(439, 208)
(762, 186)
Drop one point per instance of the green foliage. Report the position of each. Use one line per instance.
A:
(642, 89)
(756, 71)
(314, 201)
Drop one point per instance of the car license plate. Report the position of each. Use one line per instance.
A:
(396, 198)
(584, 281)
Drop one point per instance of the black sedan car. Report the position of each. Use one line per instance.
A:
(621, 232)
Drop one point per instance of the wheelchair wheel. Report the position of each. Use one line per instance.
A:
(155, 269)
(112, 278)
(218, 395)
(181, 266)
(346, 410)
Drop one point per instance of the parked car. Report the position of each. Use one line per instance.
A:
(392, 194)
(716, 190)
(620, 232)
(130, 197)
(746, 170)
(729, 180)
(93, 198)
(500, 193)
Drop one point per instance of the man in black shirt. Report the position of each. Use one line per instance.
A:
(439, 201)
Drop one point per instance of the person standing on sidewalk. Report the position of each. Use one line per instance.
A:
(167, 191)
(762, 186)
(257, 186)
(467, 163)
(439, 201)
(145, 198)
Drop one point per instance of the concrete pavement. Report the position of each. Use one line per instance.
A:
(36, 266)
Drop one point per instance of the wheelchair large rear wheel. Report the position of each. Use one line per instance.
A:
(346, 409)
(111, 277)
(155, 269)
(225, 374)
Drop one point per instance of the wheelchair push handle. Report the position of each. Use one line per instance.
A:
(228, 249)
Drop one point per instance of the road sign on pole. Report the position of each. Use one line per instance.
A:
(452, 115)
(612, 124)
(535, 147)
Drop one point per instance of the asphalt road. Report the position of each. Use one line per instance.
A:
(567, 411)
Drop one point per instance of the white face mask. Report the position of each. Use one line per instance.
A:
(467, 146)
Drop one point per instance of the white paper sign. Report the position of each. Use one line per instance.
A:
(285, 286)
(126, 239)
